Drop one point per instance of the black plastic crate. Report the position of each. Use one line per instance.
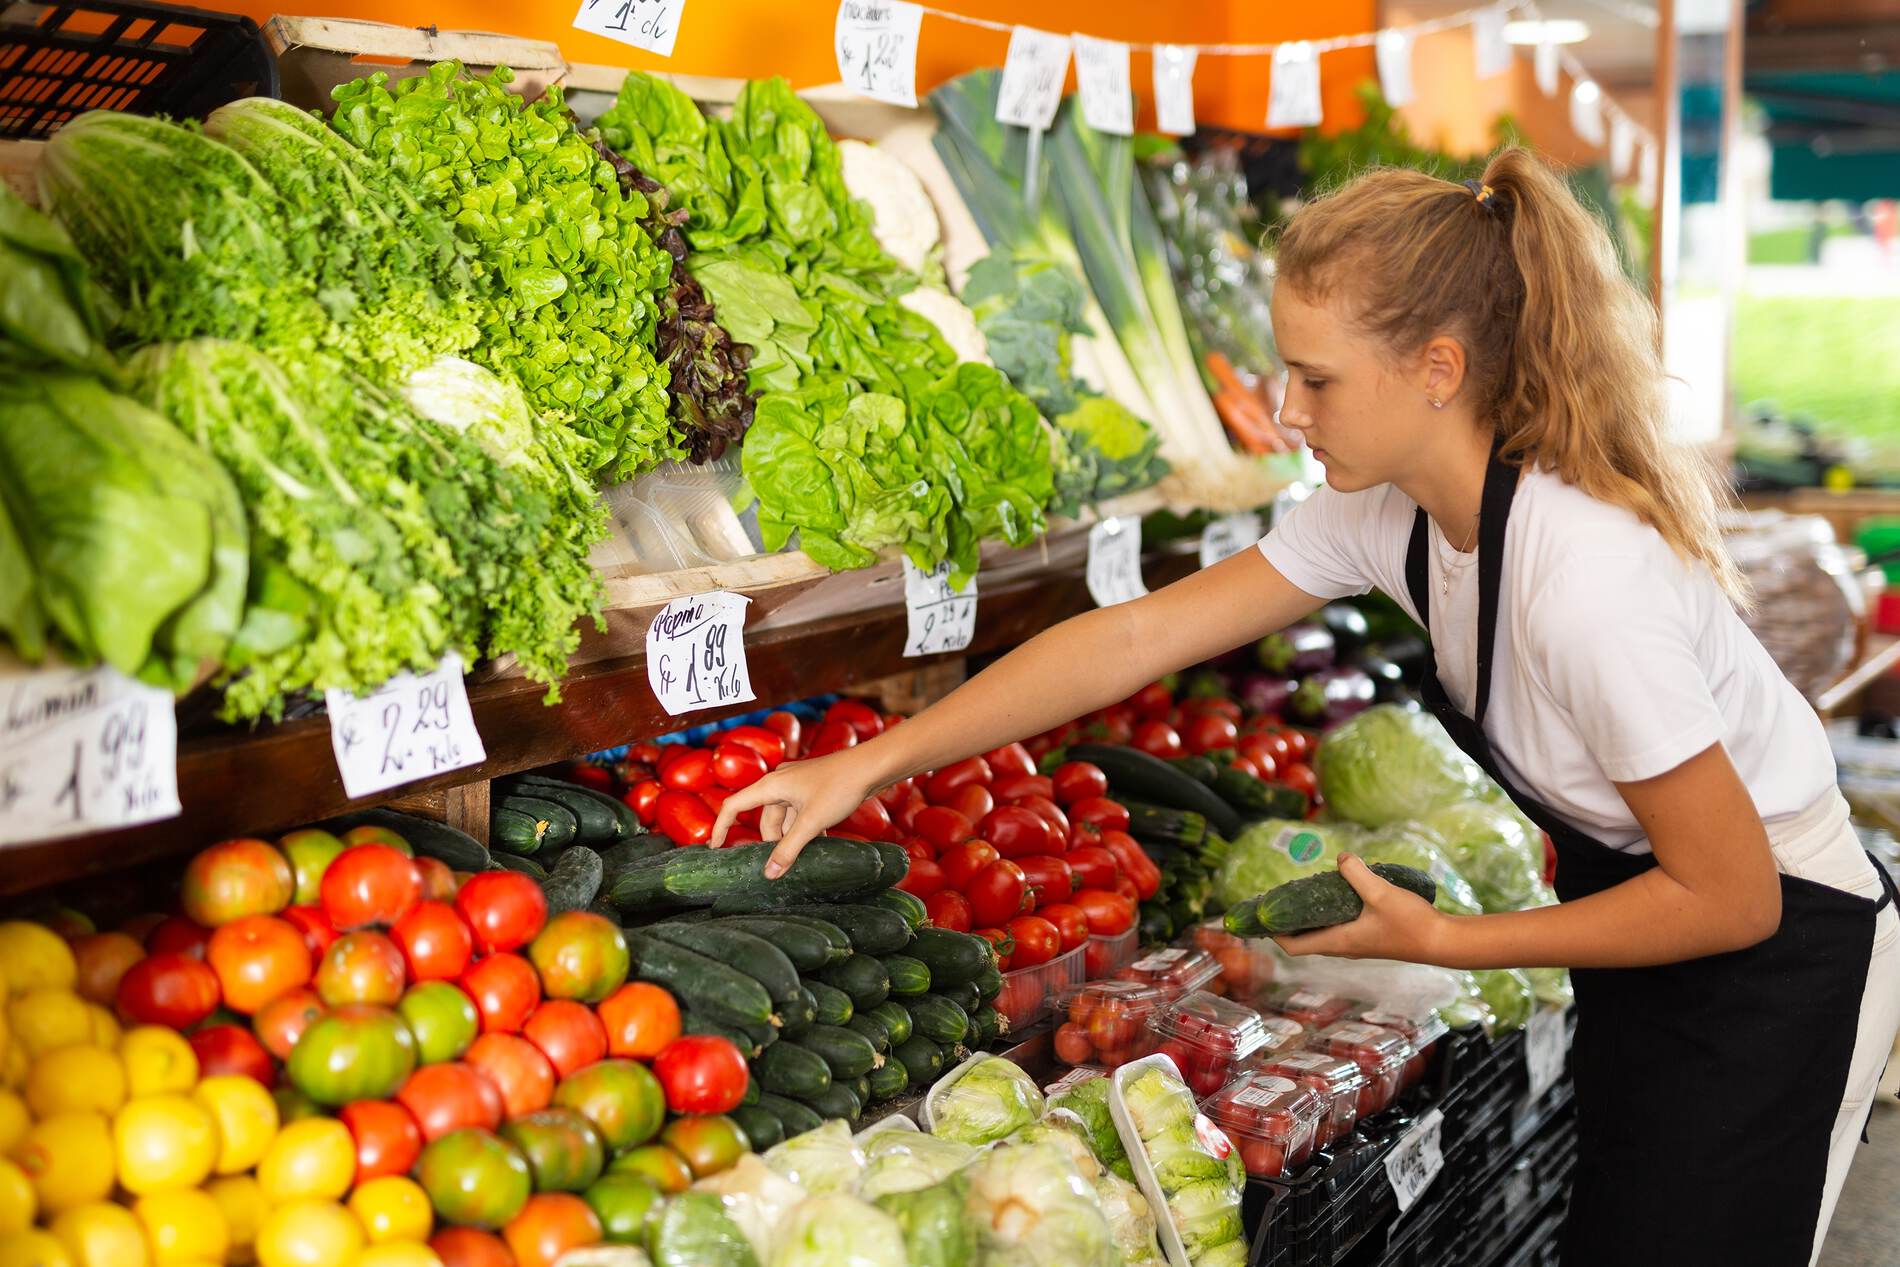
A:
(61, 60)
(1319, 1217)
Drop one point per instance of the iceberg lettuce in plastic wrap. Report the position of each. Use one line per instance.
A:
(1551, 986)
(1391, 763)
(938, 1230)
(1203, 1183)
(1413, 844)
(1131, 1221)
(1508, 994)
(1469, 1008)
(839, 1231)
(693, 1230)
(755, 1197)
(1032, 1208)
(822, 1160)
(1268, 853)
(904, 1161)
(992, 1099)
(1497, 849)
(1089, 1102)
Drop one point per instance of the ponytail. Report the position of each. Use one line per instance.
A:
(1560, 347)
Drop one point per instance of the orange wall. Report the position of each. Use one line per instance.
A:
(757, 38)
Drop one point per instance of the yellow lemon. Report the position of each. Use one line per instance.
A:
(13, 1066)
(164, 1141)
(48, 1017)
(246, 1115)
(67, 1079)
(69, 1159)
(103, 1235)
(18, 1202)
(106, 1031)
(157, 1060)
(309, 1234)
(242, 1200)
(33, 955)
(33, 1249)
(14, 1119)
(183, 1224)
(393, 1208)
(312, 1158)
(399, 1254)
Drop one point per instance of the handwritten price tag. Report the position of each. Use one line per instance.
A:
(940, 618)
(1033, 71)
(1114, 571)
(1101, 77)
(412, 727)
(1394, 52)
(649, 24)
(1293, 99)
(84, 750)
(1545, 1043)
(1228, 536)
(1174, 88)
(1416, 1160)
(1490, 51)
(876, 42)
(696, 653)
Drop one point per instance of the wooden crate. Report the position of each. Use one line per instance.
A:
(314, 55)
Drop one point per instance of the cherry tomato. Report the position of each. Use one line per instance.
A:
(769, 746)
(224, 1049)
(1049, 879)
(923, 879)
(789, 730)
(861, 717)
(504, 988)
(870, 820)
(941, 784)
(690, 772)
(1013, 787)
(1158, 739)
(737, 765)
(1092, 866)
(961, 863)
(832, 736)
(568, 1034)
(1209, 732)
(176, 935)
(683, 817)
(435, 941)
(1100, 812)
(388, 1141)
(168, 989)
(450, 1096)
(943, 827)
(517, 1068)
(1072, 926)
(997, 892)
(701, 1073)
(1078, 781)
(1153, 700)
(1011, 758)
(641, 798)
(948, 909)
(1001, 942)
(1072, 1044)
(1017, 831)
(1052, 814)
(504, 910)
(369, 884)
(973, 801)
(1108, 914)
(1300, 776)
(1037, 941)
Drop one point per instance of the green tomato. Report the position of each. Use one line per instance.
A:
(357, 1052)
(474, 1178)
(621, 1098)
(564, 1151)
(442, 1018)
(623, 1203)
(580, 955)
(310, 852)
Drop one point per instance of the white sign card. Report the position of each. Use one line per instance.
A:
(1393, 49)
(1114, 568)
(696, 653)
(876, 44)
(1228, 536)
(411, 727)
(938, 618)
(1491, 55)
(1101, 78)
(1033, 71)
(1544, 61)
(649, 24)
(84, 750)
(1416, 1160)
(1586, 112)
(1293, 96)
(1622, 144)
(1544, 1047)
(1174, 88)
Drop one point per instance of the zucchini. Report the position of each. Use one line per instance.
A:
(986, 1026)
(562, 828)
(799, 1013)
(833, 1006)
(952, 957)
(732, 881)
(573, 880)
(513, 862)
(908, 976)
(516, 831)
(626, 822)
(754, 956)
(797, 1118)
(788, 1069)
(867, 1024)
(1200, 769)
(837, 1100)
(594, 823)
(761, 1126)
(895, 1018)
(429, 838)
(848, 1053)
(1257, 798)
(889, 1079)
(872, 929)
(703, 984)
(693, 1023)
(1134, 773)
(1317, 901)
(909, 905)
(939, 1019)
(989, 982)
(1159, 825)
(804, 946)
(862, 977)
(921, 1058)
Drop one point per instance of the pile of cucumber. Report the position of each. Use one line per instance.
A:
(568, 837)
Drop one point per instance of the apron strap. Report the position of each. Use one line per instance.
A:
(1500, 486)
(1418, 571)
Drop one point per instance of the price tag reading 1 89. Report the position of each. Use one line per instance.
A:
(1416, 1160)
(83, 750)
(412, 727)
(939, 618)
(696, 653)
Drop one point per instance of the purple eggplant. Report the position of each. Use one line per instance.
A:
(1332, 696)
(1260, 693)
(1388, 679)
(1297, 650)
(1348, 623)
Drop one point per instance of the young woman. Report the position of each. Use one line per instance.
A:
(1482, 387)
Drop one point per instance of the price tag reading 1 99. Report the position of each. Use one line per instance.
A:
(696, 653)
(412, 727)
(83, 750)
(1416, 1160)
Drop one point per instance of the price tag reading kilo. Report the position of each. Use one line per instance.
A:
(876, 44)
(696, 653)
(1544, 1044)
(939, 618)
(412, 727)
(1114, 569)
(650, 24)
(84, 750)
(1416, 1160)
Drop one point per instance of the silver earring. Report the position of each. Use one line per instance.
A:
(1437, 403)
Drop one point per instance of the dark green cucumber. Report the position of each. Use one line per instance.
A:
(989, 983)
(1164, 825)
(626, 824)
(895, 1018)
(594, 823)
(833, 1006)
(804, 946)
(909, 905)
(561, 829)
(605, 909)
(921, 1058)
(986, 1026)
(834, 936)
(889, 1079)
(861, 1087)
(751, 1093)
(1200, 769)
(965, 996)
(754, 956)
(429, 838)
(1317, 901)
(1134, 773)
(516, 831)
(797, 1117)
(939, 1019)
(862, 977)
(872, 929)
(703, 984)
(574, 880)
(761, 1126)
(1257, 798)
(952, 957)
(732, 881)
(895, 865)
(837, 1100)
(514, 862)
(622, 854)
(799, 1013)
(694, 1023)
(785, 1068)
(867, 1024)
(848, 1053)
(908, 976)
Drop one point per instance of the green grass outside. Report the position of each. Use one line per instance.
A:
(1788, 246)
(1835, 359)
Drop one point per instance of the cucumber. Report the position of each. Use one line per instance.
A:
(573, 880)
(513, 862)
(561, 829)
(908, 976)
(799, 1013)
(921, 1058)
(788, 1069)
(751, 1093)
(1134, 773)
(1162, 825)
(1257, 798)
(848, 1053)
(703, 984)
(989, 982)
(872, 929)
(429, 838)
(867, 1024)
(895, 1018)
(965, 996)
(861, 1087)
(516, 831)
(594, 823)
(837, 1100)
(909, 905)
(986, 1026)
(1200, 769)
(732, 881)
(602, 907)
(693, 1023)
(889, 1079)
(833, 1006)
(895, 866)
(1317, 901)
(952, 957)
(862, 977)
(619, 856)
(761, 1126)
(833, 935)
(939, 1019)
(626, 824)
(754, 956)
(797, 1118)
(804, 946)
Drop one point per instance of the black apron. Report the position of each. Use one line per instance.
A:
(1707, 1090)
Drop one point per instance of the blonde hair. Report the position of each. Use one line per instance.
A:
(1561, 349)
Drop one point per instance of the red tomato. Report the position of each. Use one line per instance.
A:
(1050, 813)
(646, 753)
(435, 941)
(701, 1073)
(318, 932)
(167, 989)
(891, 719)
(1266, 755)
(641, 797)
(961, 863)
(504, 909)
(714, 799)
(1300, 776)
(1134, 862)
(1100, 812)
(1093, 867)
(905, 815)
(894, 796)
(860, 716)
(1011, 758)
(387, 1138)
(683, 817)
(1113, 729)
(997, 892)
(282, 1021)
(256, 958)
(870, 820)
(1209, 732)
(789, 730)
(640, 1018)
(471, 1247)
(223, 1049)
(972, 800)
(503, 986)
(743, 833)
(918, 850)
(690, 772)
(1299, 744)
(176, 935)
(1037, 941)
(1018, 831)
(587, 774)
(1242, 764)
(1072, 926)
(943, 827)
(1108, 914)
(1158, 739)
(832, 736)
(1073, 1046)
(438, 881)
(361, 967)
(568, 1034)
(769, 746)
(1049, 879)
(924, 878)
(737, 765)
(517, 1068)
(1152, 700)
(549, 1225)
(941, 784)
(1001, 942)
(1078, 781)
(369, 884)
(1276, 743)
(450, 1096)
(1016, 786)
(947, 909)
(1126, 887)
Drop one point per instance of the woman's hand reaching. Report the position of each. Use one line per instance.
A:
(1396, 924)
(799, 800)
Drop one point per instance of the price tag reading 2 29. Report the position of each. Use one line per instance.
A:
(696, 653)
(412, 727)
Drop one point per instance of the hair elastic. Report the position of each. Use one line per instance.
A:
(1487, 197)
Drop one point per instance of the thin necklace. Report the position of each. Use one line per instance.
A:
(1444, 581)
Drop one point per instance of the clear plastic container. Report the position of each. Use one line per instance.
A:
(1106, 1022)
(1108, 953)
(1274, 1121)
(1336, 1080)
(1315, 1009)
(1380, 1053)
(1178, 969)
(1246, 964)
(1210, 1039)
(1422, 1034)
(1027, 992)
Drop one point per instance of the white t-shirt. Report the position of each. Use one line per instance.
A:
(1615, 660)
